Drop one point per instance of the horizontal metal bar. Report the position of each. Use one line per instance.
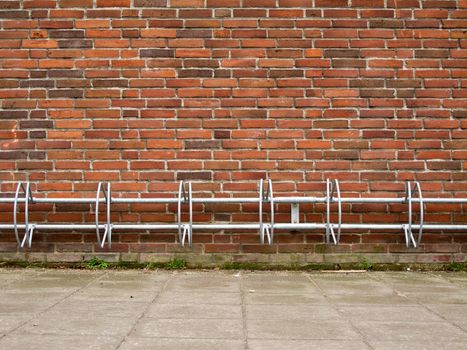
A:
(144, 200)
(234, 226)
(237, 200)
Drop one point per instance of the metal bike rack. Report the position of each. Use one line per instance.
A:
(412, 232)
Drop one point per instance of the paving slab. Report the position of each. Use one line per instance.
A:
(134, 343)
(231, 310)
(58, 342)
(190, 328)
(194, 311)
(419, 345)
(77, 324)
(290, 312)
(307, 344)
(300, 329)
(396, 313)
(211, 298)
(410, 331)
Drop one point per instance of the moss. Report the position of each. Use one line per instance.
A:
(177, 263)
(243, 266)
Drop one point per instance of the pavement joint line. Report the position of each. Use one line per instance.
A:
(414, 300)
(153, 300)
(341, 314)
(244, 316)
(53, 305)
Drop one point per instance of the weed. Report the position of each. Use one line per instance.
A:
(97, 264)
(456, 266)
(175, 264)
(364, 264)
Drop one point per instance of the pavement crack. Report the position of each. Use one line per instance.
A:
(154, 300)
(244, 313)
(53, 305)
(343, 315)
(417, 302)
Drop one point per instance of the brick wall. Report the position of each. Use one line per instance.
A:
(148, 92)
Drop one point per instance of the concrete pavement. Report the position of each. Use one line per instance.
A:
(230, 310)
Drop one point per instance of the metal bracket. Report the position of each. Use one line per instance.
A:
(295, 213)
(185, 231)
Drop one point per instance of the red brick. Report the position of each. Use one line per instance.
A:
(227, 92)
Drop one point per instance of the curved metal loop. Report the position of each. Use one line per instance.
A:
(190, 230)
(181, 192)
(422, 211)
(271, 201)
(260, 201)
(339, 209)
(96, 212)
(107, 235)
(409, 235)
(28, 229)
(329, 227)
(185, 231)
(264, 197)
(108, 200)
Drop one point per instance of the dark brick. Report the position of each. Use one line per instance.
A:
(431, 53)
(386, 23)
(444, 165)
(376, 93)
(348, 63)
(66, 33)
(36, 124)
(37, 155)
(222, 134)
(202, 63)
(36, 83)
(67, 93)
(194, 33)
(13, 155)
(193, 73)
(342, 53)
(194, 175)
(35, 74)
(404, 83)
(199, 144)
(222, 73)
(110, 83)
(37, 134)
(285, 73)
(150, 3)
(366, 83)
(37, 114)
(157, 53)
(65, 73)
(75, 44)
(5, 114)
(14, 14)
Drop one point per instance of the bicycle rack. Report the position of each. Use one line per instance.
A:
(413, 233)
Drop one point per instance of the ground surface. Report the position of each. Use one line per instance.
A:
(134, 309)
